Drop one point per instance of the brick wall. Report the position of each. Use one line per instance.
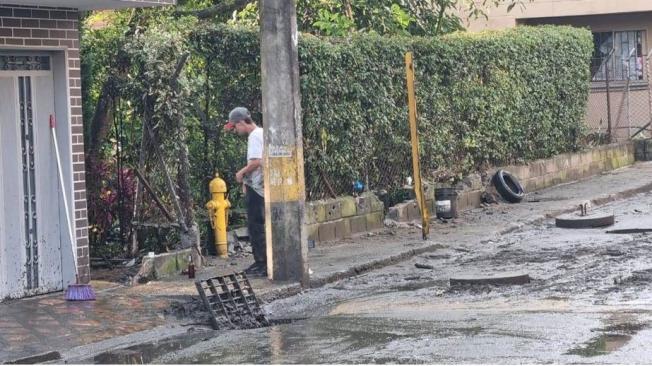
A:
(29, 27)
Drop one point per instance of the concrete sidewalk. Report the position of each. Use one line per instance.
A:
(128, 315)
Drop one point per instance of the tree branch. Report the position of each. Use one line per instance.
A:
(440, 18)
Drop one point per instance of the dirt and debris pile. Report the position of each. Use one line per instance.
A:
(637, 278)
(192, 309)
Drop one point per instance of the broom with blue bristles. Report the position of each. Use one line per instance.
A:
(77, 291)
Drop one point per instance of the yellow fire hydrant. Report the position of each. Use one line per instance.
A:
(218, 208)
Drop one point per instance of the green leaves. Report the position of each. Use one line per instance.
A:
(333, 24)
(401, 17)
(491, 98)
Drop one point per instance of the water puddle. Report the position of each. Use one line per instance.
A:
(331, 339)
(613, 338)
(601, 345)
(147, 352)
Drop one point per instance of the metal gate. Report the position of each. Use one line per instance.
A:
(30, 241)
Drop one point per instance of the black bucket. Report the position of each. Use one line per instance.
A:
(446, 203)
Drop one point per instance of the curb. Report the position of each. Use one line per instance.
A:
(375, 264)
(291, 290)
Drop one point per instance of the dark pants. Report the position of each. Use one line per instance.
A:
(256, 225)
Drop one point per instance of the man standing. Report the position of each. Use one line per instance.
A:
(251, 176)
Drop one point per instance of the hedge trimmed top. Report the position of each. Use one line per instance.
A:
(483, 98)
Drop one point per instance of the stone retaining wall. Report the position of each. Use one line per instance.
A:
(409, 210)
(533, 176)
(643, 149)
(342, 217)
(563, 168)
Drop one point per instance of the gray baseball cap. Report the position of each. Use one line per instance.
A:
(239, 114)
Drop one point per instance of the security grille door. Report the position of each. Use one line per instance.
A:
(30, 238)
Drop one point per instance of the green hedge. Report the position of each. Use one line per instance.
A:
(488, 98)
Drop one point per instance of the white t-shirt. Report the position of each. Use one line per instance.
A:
(255, 145)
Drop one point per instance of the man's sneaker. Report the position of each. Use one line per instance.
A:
(256, 269)
(252, 268)
(260, 272)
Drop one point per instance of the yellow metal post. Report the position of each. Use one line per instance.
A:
(416, 165)
(218, 214)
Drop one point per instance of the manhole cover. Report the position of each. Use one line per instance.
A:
(495, 279)
(231, 302)
(592, 220)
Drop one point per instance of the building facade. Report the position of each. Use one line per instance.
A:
(621, 96)
(40, 80)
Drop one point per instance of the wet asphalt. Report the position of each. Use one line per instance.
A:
(589, 301)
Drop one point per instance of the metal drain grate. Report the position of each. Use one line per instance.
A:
(231, 302)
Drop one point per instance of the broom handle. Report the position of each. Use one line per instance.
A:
(71, 236)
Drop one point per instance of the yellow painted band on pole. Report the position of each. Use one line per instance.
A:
(416, 164)
(284, 181)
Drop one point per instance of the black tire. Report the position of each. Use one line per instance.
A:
(508, 186)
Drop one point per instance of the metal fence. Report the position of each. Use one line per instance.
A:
(385, 172)
(620, 99)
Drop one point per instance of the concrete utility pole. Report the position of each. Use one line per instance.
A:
(287, 251)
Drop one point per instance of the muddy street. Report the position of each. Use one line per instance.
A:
(589, 301)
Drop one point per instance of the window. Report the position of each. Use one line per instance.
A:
(620, 52)
(24, 63)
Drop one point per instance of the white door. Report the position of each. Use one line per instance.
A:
(30, 235)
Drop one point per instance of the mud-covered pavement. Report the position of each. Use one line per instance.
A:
(589, 301)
